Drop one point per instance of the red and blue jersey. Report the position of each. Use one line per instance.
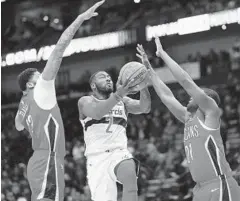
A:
(204, 151)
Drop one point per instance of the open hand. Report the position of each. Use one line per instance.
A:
(143, 56)
(91, 11)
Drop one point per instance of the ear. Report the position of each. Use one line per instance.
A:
(29, 85)
(93, 86)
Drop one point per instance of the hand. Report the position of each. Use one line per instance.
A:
(143, 56)
(91, 11)
(124, 89)
(159, 47)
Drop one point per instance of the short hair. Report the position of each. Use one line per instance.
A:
(25, 76)
(93, 76)
(213, 94)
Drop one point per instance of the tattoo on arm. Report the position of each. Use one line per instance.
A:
(55, 59)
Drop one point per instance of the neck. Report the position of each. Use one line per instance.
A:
(101, 96)
(26, 92)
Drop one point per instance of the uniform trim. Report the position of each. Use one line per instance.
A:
(50, 189)
(57, 187)
(225, 194)
(44, 184)
(116, 120)
(209, 155)
(229, 192)
(206, 127)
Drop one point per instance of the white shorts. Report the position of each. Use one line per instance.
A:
(100, 174)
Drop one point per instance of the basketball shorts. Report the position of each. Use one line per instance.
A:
(100, 173)
(45, 175)
(221, 189)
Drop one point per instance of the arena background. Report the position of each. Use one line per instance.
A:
(201, 35)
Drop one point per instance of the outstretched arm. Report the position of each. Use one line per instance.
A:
(162, 90)
(206, 103)
(55, 59)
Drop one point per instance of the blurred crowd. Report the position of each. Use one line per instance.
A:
(155, 139)
(113, 16)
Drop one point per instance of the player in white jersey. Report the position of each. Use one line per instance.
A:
(104, 119)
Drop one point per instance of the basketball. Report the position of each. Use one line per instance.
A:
(137, 72)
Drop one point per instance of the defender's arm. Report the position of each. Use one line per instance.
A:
(164, 93)
(206, 103)
(55, 59)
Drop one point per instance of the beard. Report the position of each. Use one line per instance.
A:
(106, 91)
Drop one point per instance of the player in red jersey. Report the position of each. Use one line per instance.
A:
(202, 140)
(39, 114)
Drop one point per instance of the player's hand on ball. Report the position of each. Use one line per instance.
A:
(91, 11)
(125, 88)
(159, 47)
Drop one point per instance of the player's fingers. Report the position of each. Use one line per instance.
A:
(140, 47)
(94, 14)
(139, 56)
(98, 4)
(139, 50)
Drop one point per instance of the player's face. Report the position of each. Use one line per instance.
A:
(104, 83)
(192, 106)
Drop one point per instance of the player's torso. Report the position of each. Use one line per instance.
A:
(204, 151)
(45, 126)
(107, 133)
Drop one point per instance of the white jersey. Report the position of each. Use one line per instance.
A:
(107, 133)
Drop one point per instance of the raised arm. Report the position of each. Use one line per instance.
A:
(206, 103)
(55, 59)
(143, 105)
(88, 107)
(162, 90)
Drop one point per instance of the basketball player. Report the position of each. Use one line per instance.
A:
(39, 114)
(202, 140)
(104, 119)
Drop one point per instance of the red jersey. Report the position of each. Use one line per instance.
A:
(45, 126)
(204, 151)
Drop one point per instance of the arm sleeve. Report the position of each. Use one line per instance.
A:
(45, 94)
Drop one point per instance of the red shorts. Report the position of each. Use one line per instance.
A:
(220, 189)
(45, 173)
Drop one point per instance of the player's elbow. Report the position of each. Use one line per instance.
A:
(19, 126)
(147, 109)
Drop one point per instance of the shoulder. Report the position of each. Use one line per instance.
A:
(85, 99)
(81, 105)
